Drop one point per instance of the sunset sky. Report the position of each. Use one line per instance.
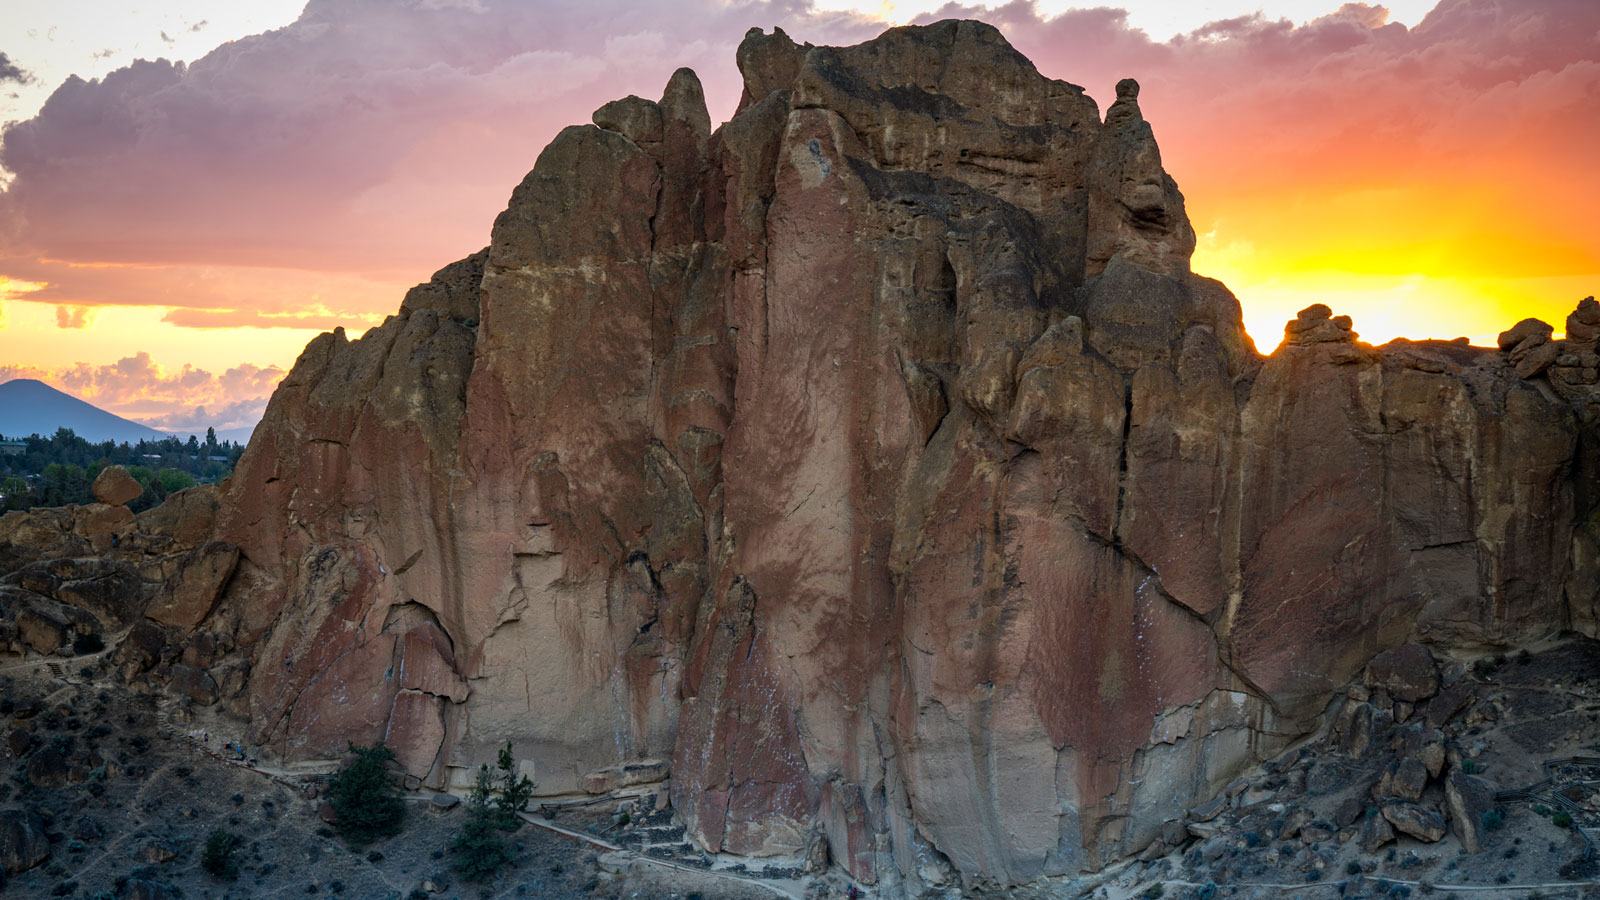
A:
(192, 189)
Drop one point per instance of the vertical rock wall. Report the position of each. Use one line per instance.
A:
(878, 462)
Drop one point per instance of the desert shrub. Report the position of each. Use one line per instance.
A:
(1491, 819)
(1561, 819)
(87, 643)
(1154, 891)
(1471, 766)
(514, 793)
(217, 859)
(367, 804)
(479, 849)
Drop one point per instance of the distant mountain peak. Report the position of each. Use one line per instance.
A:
(29, 406)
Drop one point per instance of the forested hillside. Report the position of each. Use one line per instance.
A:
(60, 469)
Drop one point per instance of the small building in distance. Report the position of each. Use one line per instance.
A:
(13, 448)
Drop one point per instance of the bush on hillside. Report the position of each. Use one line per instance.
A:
(367, 804)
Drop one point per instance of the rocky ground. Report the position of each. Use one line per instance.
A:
(103, 795)
(1410, 791)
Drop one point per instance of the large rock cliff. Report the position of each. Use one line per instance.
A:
(875, 464)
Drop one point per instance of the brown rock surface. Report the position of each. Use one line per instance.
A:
(43, 629)
(116, 487)
(1467, 798)
(1375, 832)
(23, 843)
(1414, 819)
(877, 459)
(186, 518)
(1407, 672)
(1524, 331)
(187, 597)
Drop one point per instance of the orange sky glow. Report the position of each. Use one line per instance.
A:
(171, 234)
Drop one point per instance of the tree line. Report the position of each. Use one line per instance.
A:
(61, 469)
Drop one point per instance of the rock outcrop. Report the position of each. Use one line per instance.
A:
(74, 579)
(877, 459)
(114, 486)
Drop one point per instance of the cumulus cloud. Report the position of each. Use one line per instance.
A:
(213, 295)
(319, 318)
(189, 398)
(74, 316)
(1444, 145)
(12, 73)
(353, 138)
(371, 141)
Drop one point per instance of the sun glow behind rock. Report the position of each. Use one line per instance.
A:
(1428, 178)
(1432, 259)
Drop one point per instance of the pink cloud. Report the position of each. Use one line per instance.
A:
(137, 388)
(1487, 110)
(360, 138)
(74, 316)
(372, 141)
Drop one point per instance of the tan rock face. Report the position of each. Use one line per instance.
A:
(877, 460)
(188, 596)
(115, 486)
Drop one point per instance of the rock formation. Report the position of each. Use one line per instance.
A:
(875, 466)
(72, 578)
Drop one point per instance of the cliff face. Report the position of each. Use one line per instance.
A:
(876, 465)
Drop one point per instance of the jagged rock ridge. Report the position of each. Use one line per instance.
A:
(877, 465)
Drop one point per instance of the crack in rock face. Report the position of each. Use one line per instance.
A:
(874, 467)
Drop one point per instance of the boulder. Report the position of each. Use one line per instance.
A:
(1467, 798)
(36, 578)
(1349, 811)
(156, 850)
(1449, 702)
(19, 742)
(1375, 831)
(1420, 822)
(1534, 355)
(1317, 832)
(140, 649)
(43, 628)
(23, 843)
(50, 767)
(1525, 330)
(443, 803)
(1583, 326)
(1316, 324)
(113, 597)
(635, 118)
(1407, 672)
(187, 598)
(1433, 758)
(1409, 777)
(186, 518)
(114, 486)
(102, 525)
